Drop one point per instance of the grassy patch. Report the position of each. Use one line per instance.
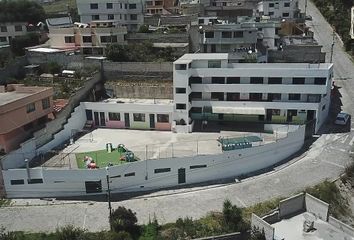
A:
(5, 202)
(329, 192)
(101, 157)
(59, 6)
(260, 209)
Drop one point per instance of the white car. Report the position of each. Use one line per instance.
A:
(342, 118)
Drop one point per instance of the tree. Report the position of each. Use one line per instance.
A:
(256, 234)
(150, 231)
(232, 216)
(21, 11)
(123, 219)
(54, 67)
(144, 29)
(19, 43)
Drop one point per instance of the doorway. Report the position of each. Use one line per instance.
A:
(89, 115)
(102, 119)
(152, 120)
(126, 120)
(97, 120)
(181, 175)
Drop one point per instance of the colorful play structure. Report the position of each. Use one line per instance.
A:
(228, 144)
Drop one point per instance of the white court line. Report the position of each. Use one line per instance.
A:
(351, 142)
(83, 225)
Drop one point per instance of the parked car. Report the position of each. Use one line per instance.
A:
(342, 118)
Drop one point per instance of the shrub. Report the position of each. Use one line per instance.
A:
(70, 233)
(123, 219)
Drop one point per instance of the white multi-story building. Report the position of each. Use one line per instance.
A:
(222, 37)
(90, 39)
(9, 31)
(280, 9)
(129, 13)
(210, 87)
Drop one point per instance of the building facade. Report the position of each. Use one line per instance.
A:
(282, 9)
(131, 113)
(223, 37)
(9, 31)
(90, 39)
(22, 109)
(126, 13)
(210, 87)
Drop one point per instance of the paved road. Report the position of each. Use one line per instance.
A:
(326, 158)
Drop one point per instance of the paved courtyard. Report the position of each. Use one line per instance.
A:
(158, 144)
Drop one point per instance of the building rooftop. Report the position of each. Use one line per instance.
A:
(8, 97)
(139, 101)
(292, 229)
(59, 22)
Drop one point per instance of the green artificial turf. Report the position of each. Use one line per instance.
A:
(101, 157)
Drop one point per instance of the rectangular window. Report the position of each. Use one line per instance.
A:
(133, 17)
(271, 5)
(314, 98)
(3, 39)
(94, 6)
(256, 80)
(31, 107)
(271, 13)
(69, 39)
(233, 96)
(217, 96)
(256, 96)
(286, 4)
(86, 39)
(109, 5)
(95, 17)
(126, 6)
(298, 80)
(196, 110)
(275, 112)
(286, 14)
(196, 95)
(17, 182)
(113, 116)
(294, 96)
(35, 181)
(132, 6)
(116, 176)
(274, 80)
(162, 170)
(45, 103)
(181, 66)
(139, 117)
(274, 96)
(217, 80)
(209, 34)
(163, 118)
(238, 34)
(93, 186)
(226, 34)
(129, 174)
(3, 29)
(320, 81)
(233, 80)
(181, 106)
(108, 39)
(180, 90)
(214, 64)
(197, 166)
(110, 17)
(18, 28)
(195, 80)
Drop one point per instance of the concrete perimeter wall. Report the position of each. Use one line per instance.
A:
(258, 223)
(340, 225)
(56, 132)
(316, 206)
(141, 175)
(292, 205)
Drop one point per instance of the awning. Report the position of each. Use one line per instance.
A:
(238, 110)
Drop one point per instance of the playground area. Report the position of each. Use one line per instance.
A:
(144, 144)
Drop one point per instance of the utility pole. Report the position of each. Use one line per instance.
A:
(109, 198)
(332, 47)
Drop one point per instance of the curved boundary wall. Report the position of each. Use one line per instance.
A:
(142, 175)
